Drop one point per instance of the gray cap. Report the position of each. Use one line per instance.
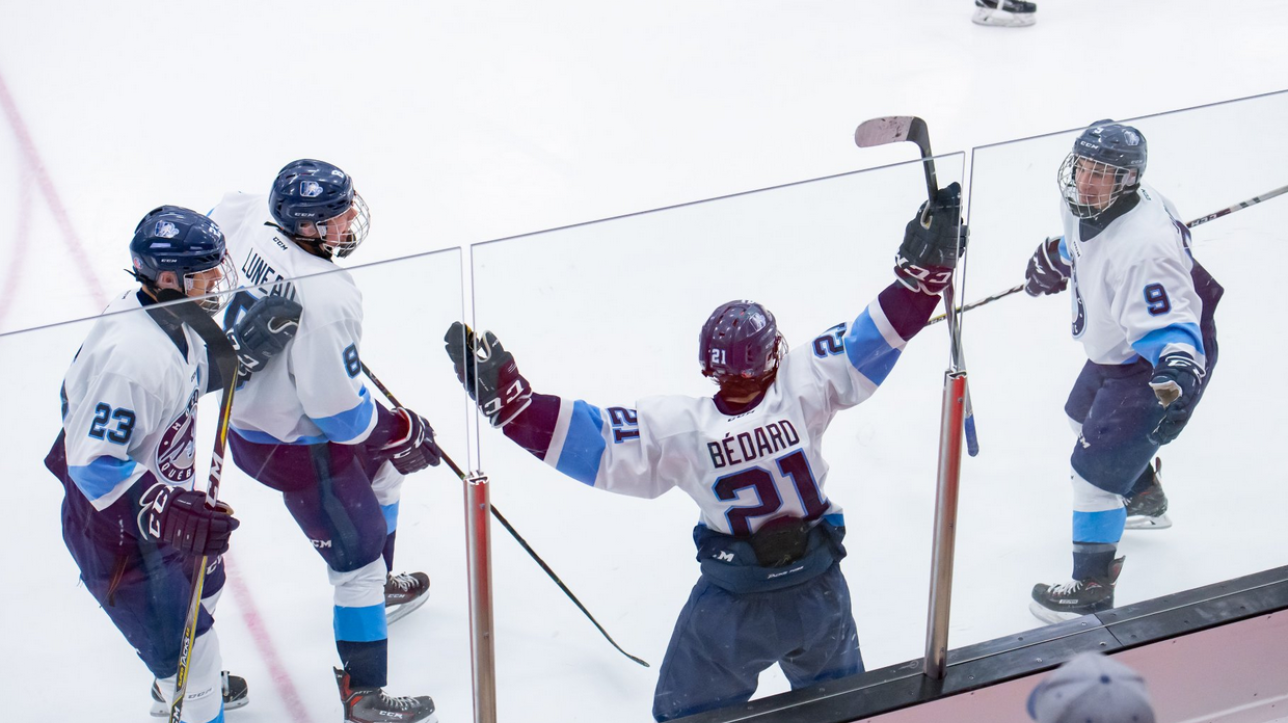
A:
(1091, 688)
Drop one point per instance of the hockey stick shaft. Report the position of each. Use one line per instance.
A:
(225, 358)
(510, 529)
(894, 129)
(1196, 222)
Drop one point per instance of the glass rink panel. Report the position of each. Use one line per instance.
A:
(1043, 505)
(603, 321)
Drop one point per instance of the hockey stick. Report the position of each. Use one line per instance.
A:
(225, 358)
(510, 528)
(1196, 222)
(894, 129)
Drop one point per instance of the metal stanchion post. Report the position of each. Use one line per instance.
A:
(478, 551)
(941, 571)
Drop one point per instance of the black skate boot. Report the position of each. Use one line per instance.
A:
(404, 592)
(369, 705)
(1005, 13)
(1147, 508)
(1057, 603)
(236, 695)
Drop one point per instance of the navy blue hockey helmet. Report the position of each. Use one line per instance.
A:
(315, 202)
(740, 341)
(189, 244)
(1105, 150)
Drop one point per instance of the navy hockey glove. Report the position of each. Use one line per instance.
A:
(932, 242)
(489, 373)
(263, 331)
(416, 449)
(1047, 273)
(1176, 382)
(182, 518)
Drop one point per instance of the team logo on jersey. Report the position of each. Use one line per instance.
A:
(177, 450)
(310, 189)
(165, 229)
(1080, 310)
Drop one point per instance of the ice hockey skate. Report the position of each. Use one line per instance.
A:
(368, 705)
(1057, 603)
(1147, 509)
(1005, 13)
(404, 592)
(236, 695)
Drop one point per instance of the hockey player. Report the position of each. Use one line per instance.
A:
(770, 539)
(1005, 13)
(132, 519)
(1142, 307)
(308, 428)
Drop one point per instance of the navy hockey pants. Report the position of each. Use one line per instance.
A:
(327, 489)
(143, 587)
(1118, 410)
(723, 640)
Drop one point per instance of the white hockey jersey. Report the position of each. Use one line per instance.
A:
(130, 400)
(742, 469)
(1133, 294)
(313, 391)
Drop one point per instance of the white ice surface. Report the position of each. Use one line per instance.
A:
(471, 121)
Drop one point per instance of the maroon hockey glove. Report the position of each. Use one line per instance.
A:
(182, 518)
(1047, 273)
(415, 450)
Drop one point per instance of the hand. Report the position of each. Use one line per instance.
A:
(1047, 273)
(932, 243)
(1176, 382)
(489, 373)
(415, 450)
(183, 519)
(263, 332)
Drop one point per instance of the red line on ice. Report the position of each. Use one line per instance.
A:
(264, 642)
(11, 280)
(37, 169)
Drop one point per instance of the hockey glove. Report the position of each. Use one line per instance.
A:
(416, 449)
(489, 373)
(1047, 273)
(182, 518)
(932, 242)
(1176, 382)
(263, 331)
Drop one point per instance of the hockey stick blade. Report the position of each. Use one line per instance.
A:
(895, 129)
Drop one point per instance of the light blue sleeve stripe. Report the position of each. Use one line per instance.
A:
(1064, 253)
(836, 519)
(583, 447)
(102, 475)
(868, 350)
(360, 625)
(391, 517)
(1104, 526)
(346, 426)
(1152, 344)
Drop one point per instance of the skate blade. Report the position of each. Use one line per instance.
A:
(1003, 19)
(394, 614)
(161, 710)
(1143, 522)
(1047, 615)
